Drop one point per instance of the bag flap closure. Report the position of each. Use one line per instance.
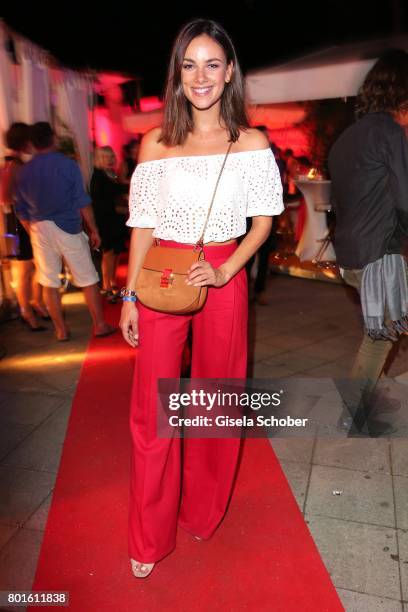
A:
(178, 260)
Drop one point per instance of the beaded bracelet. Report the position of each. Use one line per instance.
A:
(129, 298)
(127, 292)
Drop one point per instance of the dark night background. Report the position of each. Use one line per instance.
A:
(135, 38)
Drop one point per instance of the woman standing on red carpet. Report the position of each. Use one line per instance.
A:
(169, 199)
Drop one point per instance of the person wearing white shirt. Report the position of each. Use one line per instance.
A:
(169, 200)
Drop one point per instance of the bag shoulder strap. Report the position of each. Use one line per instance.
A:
(200, 242)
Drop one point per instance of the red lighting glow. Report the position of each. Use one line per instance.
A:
(150, 103)
(103, 127)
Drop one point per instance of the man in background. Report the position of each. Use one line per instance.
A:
(369, 171)
(51, 203)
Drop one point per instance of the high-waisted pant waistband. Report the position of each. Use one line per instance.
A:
(219, 251)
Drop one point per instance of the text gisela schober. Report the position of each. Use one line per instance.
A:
(207, 401)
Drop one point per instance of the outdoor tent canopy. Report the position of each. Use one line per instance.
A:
(335, 72)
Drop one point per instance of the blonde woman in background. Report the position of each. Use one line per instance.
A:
(106, 192)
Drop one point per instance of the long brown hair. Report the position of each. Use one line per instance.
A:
(178, 120)
(385, 88)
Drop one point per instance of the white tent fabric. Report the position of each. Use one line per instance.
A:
(73, 92)
(35, 88)
(337, 72)
(307, 83)
(6, 89)
(32, 91)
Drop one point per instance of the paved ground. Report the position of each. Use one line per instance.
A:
(310, 330)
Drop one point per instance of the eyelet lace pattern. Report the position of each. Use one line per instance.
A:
(173, 195)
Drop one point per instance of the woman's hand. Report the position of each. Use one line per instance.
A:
(202, 273)
(129, 323)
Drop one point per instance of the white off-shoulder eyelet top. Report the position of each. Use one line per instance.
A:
(173, 195)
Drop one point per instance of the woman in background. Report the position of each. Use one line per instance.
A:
(106, 193)
(128, 165)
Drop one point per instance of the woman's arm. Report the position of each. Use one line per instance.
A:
(202, 273)
(259, 232)
(140, 242)
(264, 201)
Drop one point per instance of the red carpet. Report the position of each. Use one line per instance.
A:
(261, 558)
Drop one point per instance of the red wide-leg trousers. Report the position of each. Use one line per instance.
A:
(167, 488)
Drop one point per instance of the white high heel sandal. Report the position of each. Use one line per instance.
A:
(141, 570)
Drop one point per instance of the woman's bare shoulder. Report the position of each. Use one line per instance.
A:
(150, 147)
(252, 139)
